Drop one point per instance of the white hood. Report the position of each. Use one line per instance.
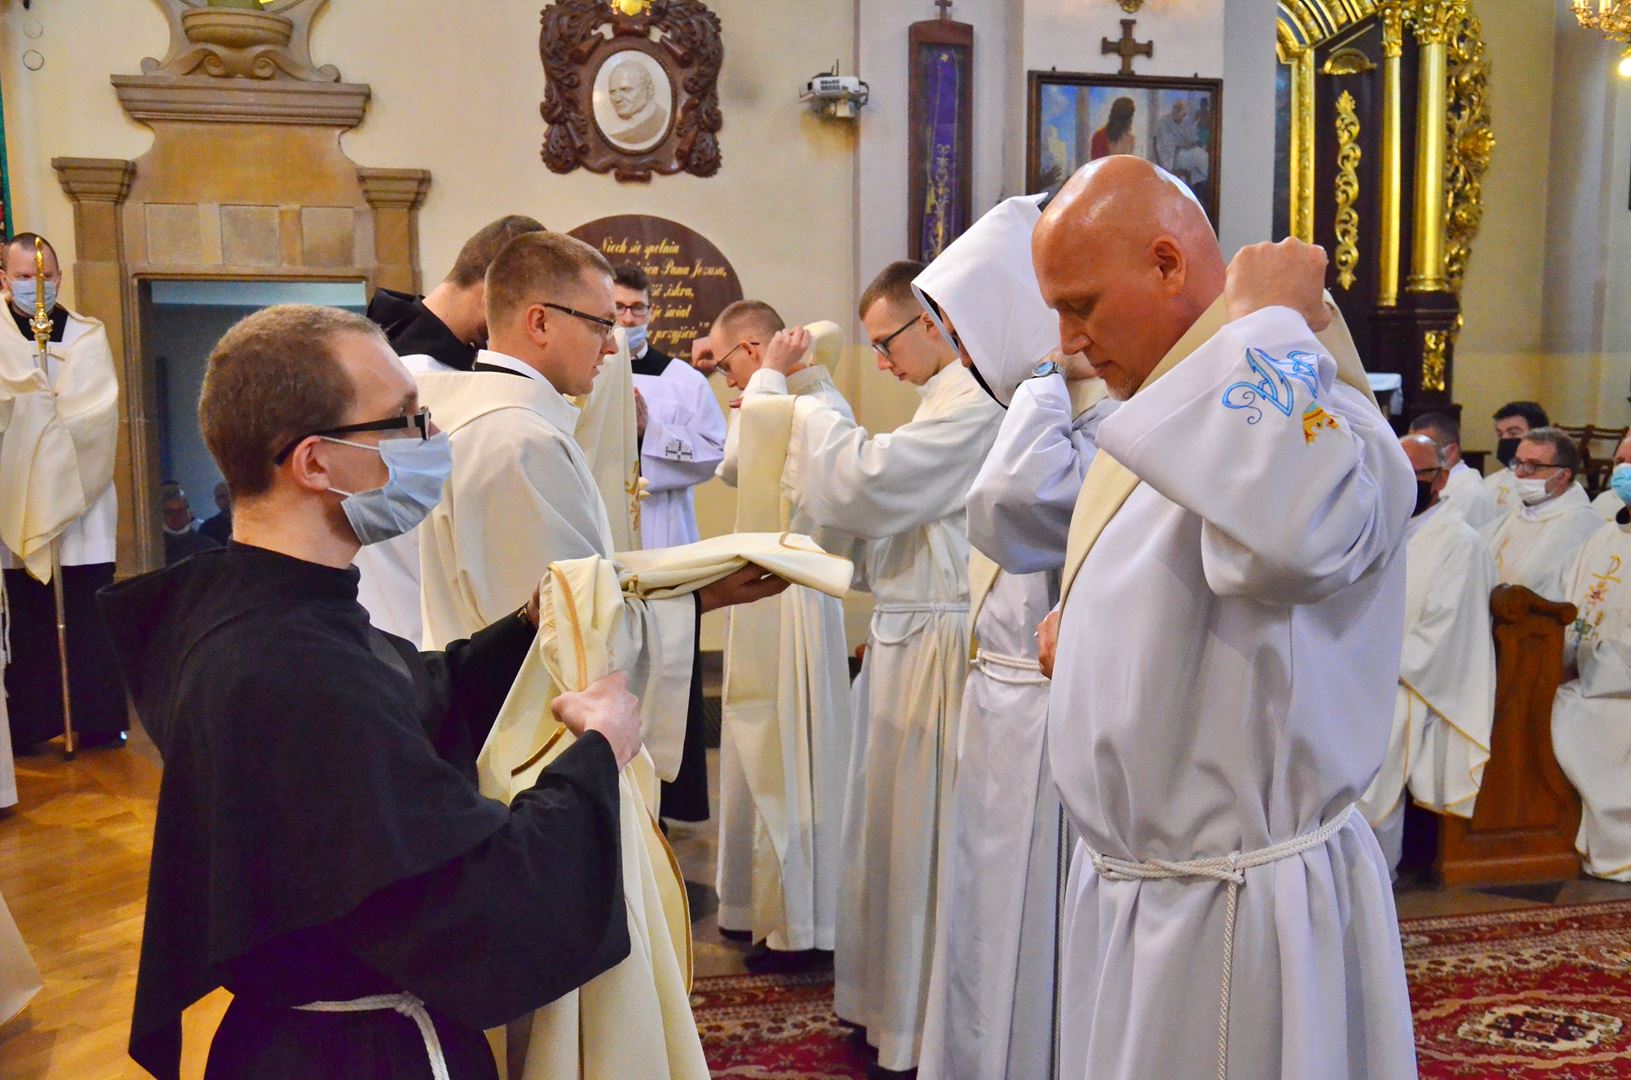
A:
(985, 282)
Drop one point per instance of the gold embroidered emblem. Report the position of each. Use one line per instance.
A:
(1315, 421)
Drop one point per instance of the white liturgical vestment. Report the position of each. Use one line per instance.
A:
(520, 497)
(58, 430)
(903, 493)
(778, 865)
(1445, 704)
(1608, 505)
(608, 434)
(682, 447)
(990, 1009)
(1466, 496)
(1228, 653)
(1503, 487)
(1534, 545)
(1591, 717)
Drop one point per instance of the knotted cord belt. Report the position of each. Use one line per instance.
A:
(1013, 670)
(1231, 870)
(404, 1004)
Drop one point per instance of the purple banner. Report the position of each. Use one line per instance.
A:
(945, 213)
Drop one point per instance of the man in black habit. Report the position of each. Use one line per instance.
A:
(321, 848)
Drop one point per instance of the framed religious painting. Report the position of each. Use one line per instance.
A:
(631, 87)
(1073, 118)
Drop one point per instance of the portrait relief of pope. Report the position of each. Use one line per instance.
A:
(633, 100)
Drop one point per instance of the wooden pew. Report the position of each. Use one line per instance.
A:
(1524, 823)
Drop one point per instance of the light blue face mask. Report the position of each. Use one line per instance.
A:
(636, 337)
(418, 469)
(1620, 481)
(25, 298)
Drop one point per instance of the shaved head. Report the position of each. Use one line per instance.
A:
(1127, 259)
(1423, 451)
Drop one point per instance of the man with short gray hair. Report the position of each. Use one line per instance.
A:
(1464, 491)
(1534, 544)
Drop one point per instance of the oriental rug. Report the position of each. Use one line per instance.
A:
(1542, 994)
(1537, 994)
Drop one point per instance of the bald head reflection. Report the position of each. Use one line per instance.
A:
(1127, 259)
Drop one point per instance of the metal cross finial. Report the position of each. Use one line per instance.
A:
(1127, 48)
(945, 8)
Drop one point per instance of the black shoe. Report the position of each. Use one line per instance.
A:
(101, 740)
(769, 961)
(736, 935)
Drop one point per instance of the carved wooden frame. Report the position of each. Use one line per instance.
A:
(681, 36)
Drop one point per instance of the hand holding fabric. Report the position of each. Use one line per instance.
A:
(1288, 274)
(787, 350)
(742, 586)
(1047, 642)
(606, 706)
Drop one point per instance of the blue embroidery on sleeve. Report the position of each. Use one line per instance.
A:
(1276, 383)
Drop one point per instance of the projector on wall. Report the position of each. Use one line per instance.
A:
(832, 94)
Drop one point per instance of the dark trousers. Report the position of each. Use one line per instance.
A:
(33, 673)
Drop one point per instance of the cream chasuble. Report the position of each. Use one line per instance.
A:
(608, 434)
(1229, 648)
(522, 496)
(58, 430)
(1534, 545)
(1591, 717)
(786, 737)
(1466, 496)
(1608, 505)
(1503, 488)
(1445, 704)
(903, 492)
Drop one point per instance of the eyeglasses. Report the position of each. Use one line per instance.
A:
(419, 420)
(606, 325)
(639, 311)
(1427, 476)
(1530, 468)
(882, 347)
(721, 361)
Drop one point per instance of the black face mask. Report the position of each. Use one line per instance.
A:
(1424, 497)
(1506, 450)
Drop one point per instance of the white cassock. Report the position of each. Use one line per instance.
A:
(990, 1003)
(1466, 496)
(1534, 545)
(522, 496)
(388, 588)
(1444, 707)
(1591, 716)
(783, 887)
(682, 447)
(1608, 505)
(19, 977)
(1225, 669)
(903, 492)
(1503, 487)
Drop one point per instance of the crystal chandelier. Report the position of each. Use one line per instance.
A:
(1612, 18)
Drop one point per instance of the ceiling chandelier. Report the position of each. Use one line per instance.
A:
(1612, 18)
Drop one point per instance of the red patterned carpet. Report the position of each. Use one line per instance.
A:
(1541, 994)
(1526, 995)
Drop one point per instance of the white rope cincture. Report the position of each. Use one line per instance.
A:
(906, 607)
(403, 1004)
(1000, 668)
(1231, 870)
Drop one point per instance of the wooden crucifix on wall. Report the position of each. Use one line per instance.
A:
(1127, 47)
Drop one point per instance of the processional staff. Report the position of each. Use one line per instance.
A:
(41, 325)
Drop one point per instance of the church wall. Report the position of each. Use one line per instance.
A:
(1500, 354)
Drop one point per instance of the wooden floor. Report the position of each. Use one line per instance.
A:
(73, 870)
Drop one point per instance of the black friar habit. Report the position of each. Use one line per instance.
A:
(320, 836)
(414, 330)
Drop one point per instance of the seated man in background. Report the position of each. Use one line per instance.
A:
(1534, 545)
(1610, 503)
(219, 527)
(1513, 422)
(1591, 715)
(182, 535)
(1464, 495)
(1445, 705)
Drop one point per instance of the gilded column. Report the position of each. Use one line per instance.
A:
(1431, 21)
(1391, 13)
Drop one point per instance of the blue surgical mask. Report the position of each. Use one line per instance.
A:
(1620, 481)
(418, 470)
(25, 298)
(636, 338)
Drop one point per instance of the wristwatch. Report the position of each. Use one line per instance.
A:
(1046, 368)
